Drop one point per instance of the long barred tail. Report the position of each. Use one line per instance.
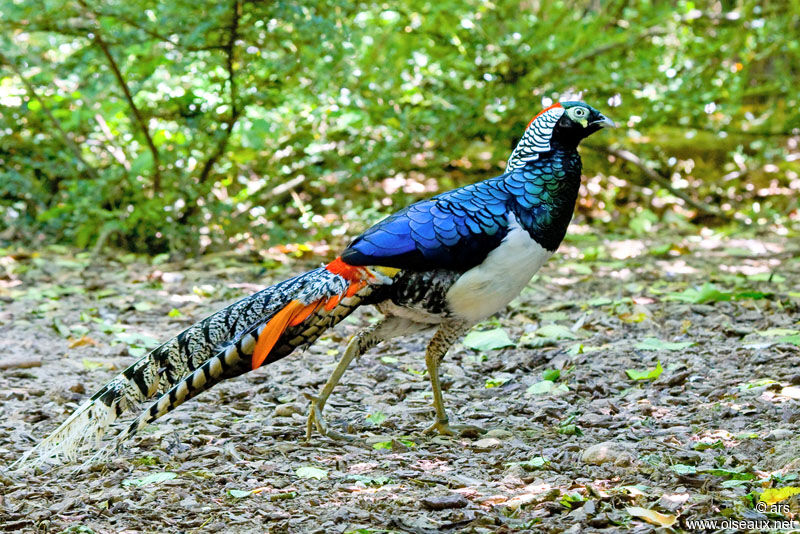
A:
(254, 331)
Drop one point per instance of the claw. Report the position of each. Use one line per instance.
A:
(315, 420)
(444, 428)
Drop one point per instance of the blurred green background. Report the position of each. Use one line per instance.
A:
(200, 126)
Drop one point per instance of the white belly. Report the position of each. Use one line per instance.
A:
(490, 286)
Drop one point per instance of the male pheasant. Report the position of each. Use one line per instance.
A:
(444, 264)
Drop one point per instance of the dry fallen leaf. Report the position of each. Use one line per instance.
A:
(771, 496)
(651, 516)
(793, 392)
(82, 341)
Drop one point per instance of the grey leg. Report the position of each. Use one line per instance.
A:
(358, 345)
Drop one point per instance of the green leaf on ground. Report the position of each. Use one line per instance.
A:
(704, 445)
(91, 365)
(239, 494)
(370, 481)
(535, 342)
(375, 419)
(556, 331)
(143, 306)
(650, 374)
(792, 340)
(777, 332)
(495, 382)
(311, 472)
(570, 430)
(495, 338)
(544, 387)
(570, 498)
(767, 277)
(553, 316)
(652, 343)
(756, 384)
(683, 469)
(59, 327)
(153, 478)
(547, 335)
(537, 462)
(551, 374)
(580, 348)
(750, 294)
(660, 250)
(704, 294)
(141, 340)
(540, 388)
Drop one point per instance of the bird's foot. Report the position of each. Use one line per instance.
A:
(315, 420)
(444, 428)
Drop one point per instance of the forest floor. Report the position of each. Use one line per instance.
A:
(577, 441)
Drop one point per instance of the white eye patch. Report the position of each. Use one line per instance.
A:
(579, 115)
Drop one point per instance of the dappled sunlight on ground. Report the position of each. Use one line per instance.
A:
(664, 381)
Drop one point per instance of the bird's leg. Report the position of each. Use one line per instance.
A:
(358, 345)
(447, 334)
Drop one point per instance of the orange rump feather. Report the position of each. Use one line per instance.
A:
(349, 272)
(292, 314)
(296, 312)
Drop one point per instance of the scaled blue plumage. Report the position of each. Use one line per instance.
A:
(457, 229)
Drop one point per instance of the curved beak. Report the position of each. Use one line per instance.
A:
(604, 122)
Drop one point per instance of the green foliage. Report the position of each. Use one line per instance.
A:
(376, 418)
(194, 125)
(649, 374)
(496, 338)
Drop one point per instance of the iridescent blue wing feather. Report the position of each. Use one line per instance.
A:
(455, 230)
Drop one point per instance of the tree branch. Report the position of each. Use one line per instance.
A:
(101, 43)
(233, 95)
(32, 94)
(274, 195)
(116, 152)
(230, 59)
(75, 30)
(159, 36)
(659, 178)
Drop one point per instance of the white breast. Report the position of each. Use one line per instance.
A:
(490, 286)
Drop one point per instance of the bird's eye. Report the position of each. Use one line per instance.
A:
(580, 112)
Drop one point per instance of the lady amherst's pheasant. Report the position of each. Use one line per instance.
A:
(444, 264)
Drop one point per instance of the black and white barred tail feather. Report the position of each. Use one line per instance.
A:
(236, 359)
(218, 347)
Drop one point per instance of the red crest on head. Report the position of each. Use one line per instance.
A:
(556, 105)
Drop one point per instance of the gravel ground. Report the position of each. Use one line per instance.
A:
(711, 429)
